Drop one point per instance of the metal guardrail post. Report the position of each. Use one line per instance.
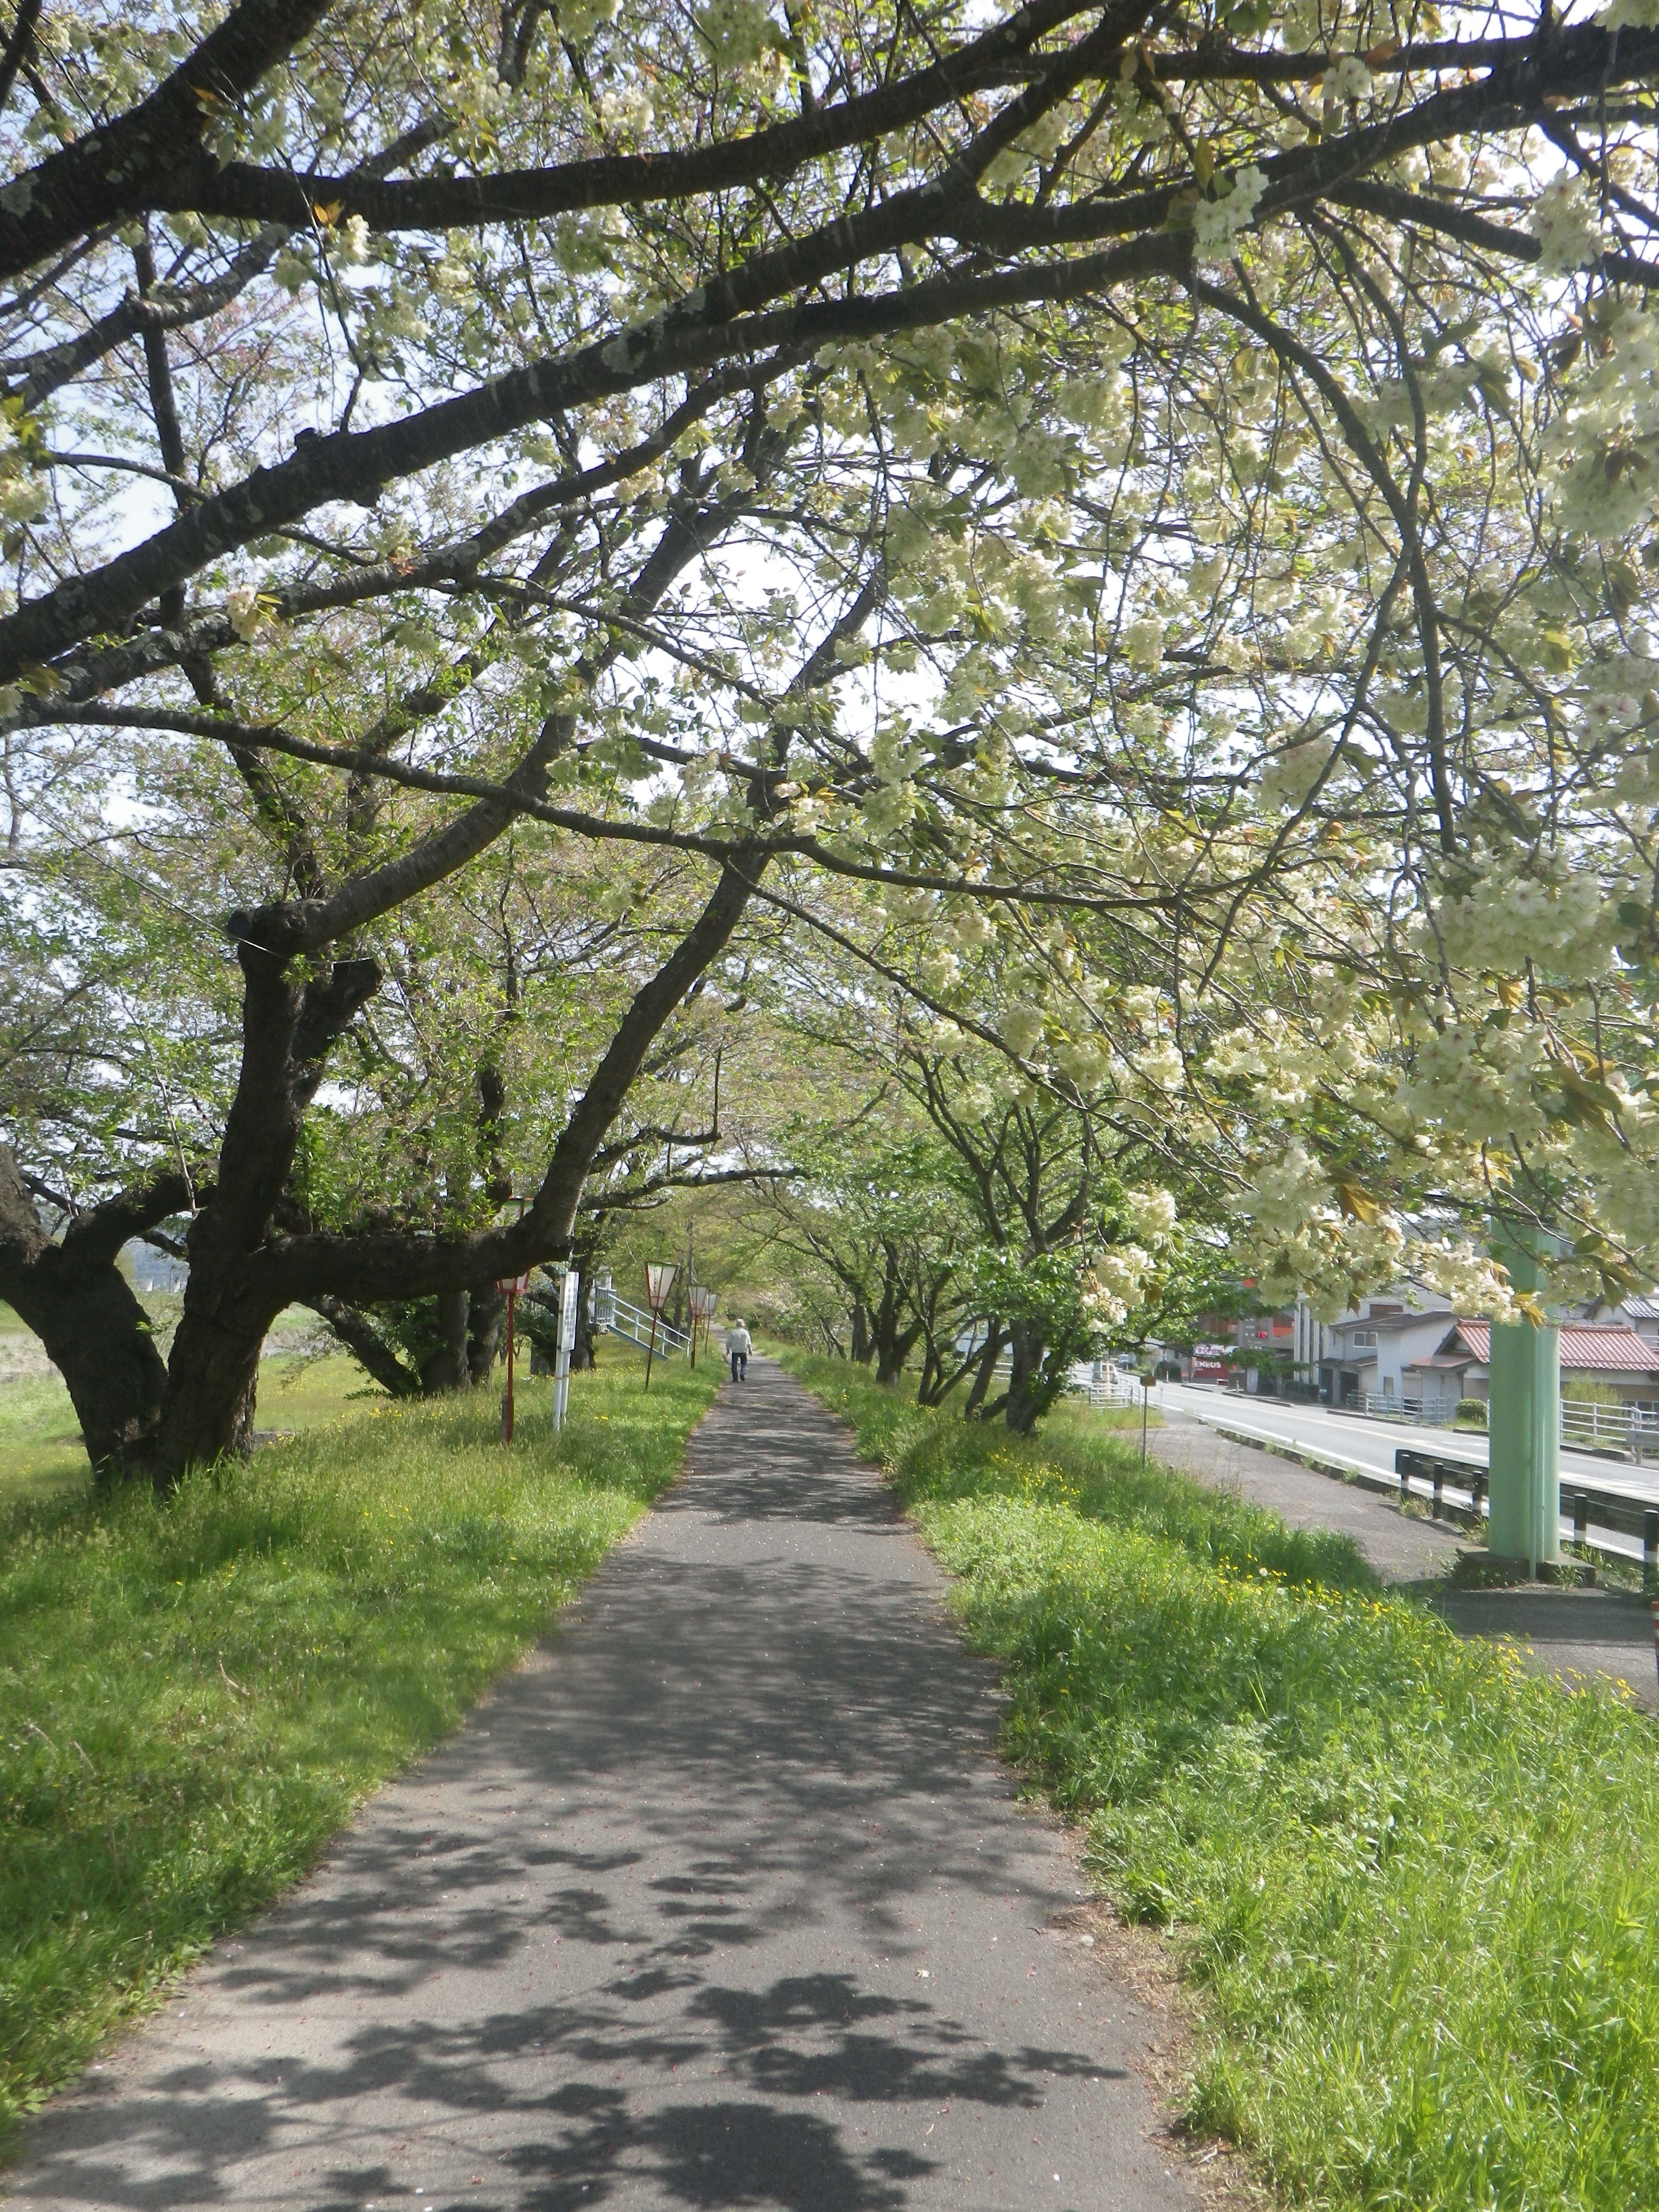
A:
(1581, 1521)
(1650, 1547)
(1439, 1490)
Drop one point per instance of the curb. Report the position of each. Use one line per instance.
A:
(1361, 1478)
(1454, 1518)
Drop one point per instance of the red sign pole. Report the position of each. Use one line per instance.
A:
(506, 1402)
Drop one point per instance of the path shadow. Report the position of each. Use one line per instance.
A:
(743, 1719)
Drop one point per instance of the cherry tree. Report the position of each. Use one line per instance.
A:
(1127, 464)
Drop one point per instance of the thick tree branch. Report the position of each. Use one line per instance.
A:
(118, 170)
(354, 464)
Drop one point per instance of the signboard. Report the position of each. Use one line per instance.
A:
(567, 1309)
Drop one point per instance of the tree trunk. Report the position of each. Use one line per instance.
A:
(989, 1355)
(213, 1377)
(367, 1347)
(1026, 1399)
(287, 1026)
(486, 1320)
(445, 1368)
(86, 1313)
(582, 1337)
(930, 1371)
(863, 1344)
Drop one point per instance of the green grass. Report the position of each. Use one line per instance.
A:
(40, 1450)
(194, 1696)
(40, 1447)
(1416, 1891)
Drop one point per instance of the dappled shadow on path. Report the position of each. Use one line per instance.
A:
(710, 1905)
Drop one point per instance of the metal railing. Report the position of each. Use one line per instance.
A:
(1378, 1408)
(1617, 1432)
(1457, 1489)
(1624, 1432)
(635, 1324)
(1104, 1384)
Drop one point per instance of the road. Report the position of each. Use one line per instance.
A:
(1368, 1446)
(1576, 1635)
(723, 1899)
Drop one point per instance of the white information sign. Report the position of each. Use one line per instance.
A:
(567, 1339)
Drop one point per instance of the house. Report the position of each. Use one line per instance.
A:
(1460, 1366)
(1371, 1352)
(1640, 1314)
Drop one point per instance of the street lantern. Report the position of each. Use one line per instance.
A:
(703, 1302)
(512, 1288)
(659, 1281)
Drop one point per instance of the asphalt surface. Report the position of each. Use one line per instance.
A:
(1401, 1547)
(1577, 1635)
(1369, 1444)
(722, 1899)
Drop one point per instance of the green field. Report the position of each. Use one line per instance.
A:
(1412, 1887)
(40, 1447)
(194, 1695)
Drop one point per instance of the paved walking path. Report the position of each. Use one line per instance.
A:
(1576, 1635)
(722, 1901)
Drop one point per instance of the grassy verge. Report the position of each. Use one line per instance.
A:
(194, 1696)
(1413, 1887)
(40, 1448)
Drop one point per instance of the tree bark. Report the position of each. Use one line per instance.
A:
(95, 1331)
(1026, 1399)
(863, 1344)
(358, 1332)
(287, 1026)
(989, 1355)
(445, 1368)
(73, 1296)
(486, 1319)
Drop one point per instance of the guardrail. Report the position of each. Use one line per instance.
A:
(1617, 1432)
(635, 1324)
(1624, 1432)
(1104, 1384)
(1586, 1507)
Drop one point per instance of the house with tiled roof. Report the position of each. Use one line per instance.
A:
(1640, 1314)
(1369, 1355)
(1460, 1366)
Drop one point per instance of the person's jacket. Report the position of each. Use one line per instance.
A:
(736, 1339)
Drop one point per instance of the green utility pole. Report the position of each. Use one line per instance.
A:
(1524, 1417)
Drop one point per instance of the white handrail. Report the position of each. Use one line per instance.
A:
(635, 1324)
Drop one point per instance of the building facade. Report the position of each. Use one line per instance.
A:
(1618, 1359)
(1374, 1353)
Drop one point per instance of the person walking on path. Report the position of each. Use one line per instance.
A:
(737, 1344)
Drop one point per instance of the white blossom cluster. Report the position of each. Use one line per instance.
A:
(245, 613)
(1566, 222)
(1219, 222)
(739, 32)
(1602, 451)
